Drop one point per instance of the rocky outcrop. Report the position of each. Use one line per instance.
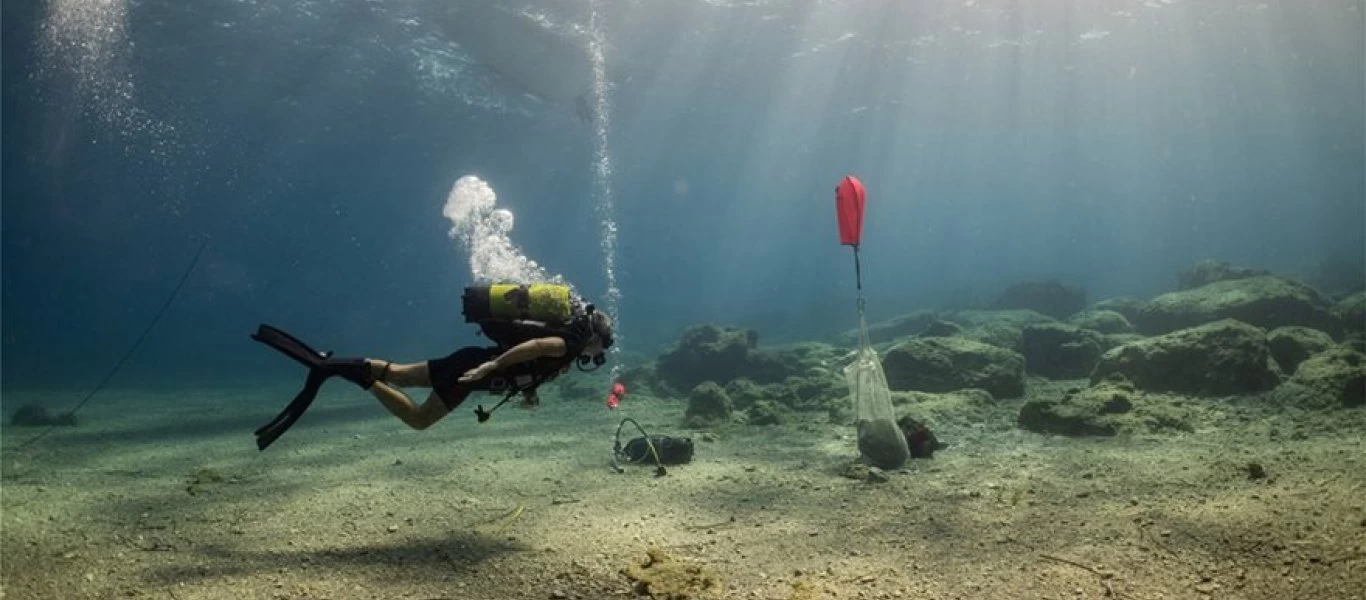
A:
(1333, 378)
(816, 392)
(1351, 311)
(1124, 305)
(1291, 345)
(724, 354)
(708, 405)
(1264, 301)
(1001, 328)
(948, 364)
(1102, 321)
(906, 325)
(1059, 351)
(1210, 271)
(1221, 358)
(766, 412)
(707, 353)
(1341, 275)
(941, 328)
(1110, 408)
(1051, 298)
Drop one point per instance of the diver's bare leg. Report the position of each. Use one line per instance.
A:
(400, 374)
(385, 389)
(415, 416)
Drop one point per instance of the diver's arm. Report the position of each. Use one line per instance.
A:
(530, 350)
(525, 351)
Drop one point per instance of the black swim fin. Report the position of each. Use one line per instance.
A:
(321, 367)
(268, 433)
(290, 346)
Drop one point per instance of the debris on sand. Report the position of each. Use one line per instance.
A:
(663, 578)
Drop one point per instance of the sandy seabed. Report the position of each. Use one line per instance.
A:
(163, 495)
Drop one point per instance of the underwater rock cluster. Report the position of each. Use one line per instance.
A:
(1229, 331)
(724, 367)
(1127, 307)
(1221, 358)
(1290, 346)
(1351, 310)
(1210, 271)
(1109, 408)
(1266, 301)
(1060, 351)
(897, 327)
(1051, 298)
(1332, 378)
(946, 364)
(1102, 321)
(708, 405)
(707, 353)
(724, 354)
(1142, 366)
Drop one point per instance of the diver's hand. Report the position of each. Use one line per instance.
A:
(479, 372)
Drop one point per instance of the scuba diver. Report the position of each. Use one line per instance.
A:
(540, 330)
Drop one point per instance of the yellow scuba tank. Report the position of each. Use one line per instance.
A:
(545, 302)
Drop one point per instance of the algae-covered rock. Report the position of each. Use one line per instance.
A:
(901, 326)
(1291, 345)
(814, 393)
(1124, 305)
(1060, 351)
(711, 353)
(706, 353)
(639, 379)
(1119, 339)
(1220, 358)
(1015, 318)
(1356, 341)
(1000, 328)
(1210, 271)
(1001, 335)
(803, 360)
(1265, 301)
(708, 405)
(1340, 274)
(745, 392)
(959, 409)
(1337, 376)
(663, 577)
(1110, 408)
(1101, 321)
(948, 364)
(766, 412)
(1351, 311)
(941, 328)
(1051, 298)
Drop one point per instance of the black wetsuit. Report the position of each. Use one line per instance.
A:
(445, 372)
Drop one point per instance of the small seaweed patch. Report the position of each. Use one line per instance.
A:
(664, 578)
(204, 477)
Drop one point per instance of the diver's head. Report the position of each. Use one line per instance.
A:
(600, 340)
